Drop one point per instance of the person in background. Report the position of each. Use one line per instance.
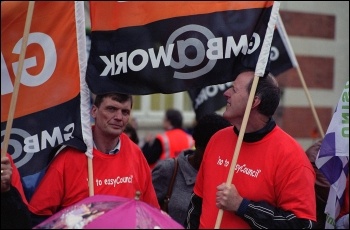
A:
(14, 206)
(119, 167)
(273, 183)
(188, 165)
(131, 132)
(169, 143)
(321, 185)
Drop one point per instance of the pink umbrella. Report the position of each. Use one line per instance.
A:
(105, 211)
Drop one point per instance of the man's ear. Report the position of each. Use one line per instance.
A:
(93, 111)
(256, 102)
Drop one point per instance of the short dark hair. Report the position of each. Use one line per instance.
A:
(174, 117)
(269, 93)
(119, 97)
(206, 127)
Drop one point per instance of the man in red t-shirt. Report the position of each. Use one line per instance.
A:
(119, 166)
(273, 182)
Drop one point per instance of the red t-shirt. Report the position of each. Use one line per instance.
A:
(66, 180)
(274, 169)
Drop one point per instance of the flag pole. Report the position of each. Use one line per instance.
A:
(17, 78)
(310, 101)
(300, 75)
(259, 72)
(90, 176)
(84, 91)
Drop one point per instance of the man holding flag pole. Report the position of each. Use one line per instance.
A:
(274, 182)
(274, 185)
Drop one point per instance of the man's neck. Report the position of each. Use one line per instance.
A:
(103, 143)
(258, 134)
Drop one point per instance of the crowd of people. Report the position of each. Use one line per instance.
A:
(275, 182)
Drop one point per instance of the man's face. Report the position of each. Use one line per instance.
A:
(112, 116)
(237, 98)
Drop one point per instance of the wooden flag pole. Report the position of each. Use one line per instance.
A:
(310, 101)
(17, 78)
(91, 176)
(296, 65)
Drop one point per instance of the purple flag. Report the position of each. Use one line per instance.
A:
(333, 157)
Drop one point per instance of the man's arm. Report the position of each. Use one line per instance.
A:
(258, 214)
(263, 215)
